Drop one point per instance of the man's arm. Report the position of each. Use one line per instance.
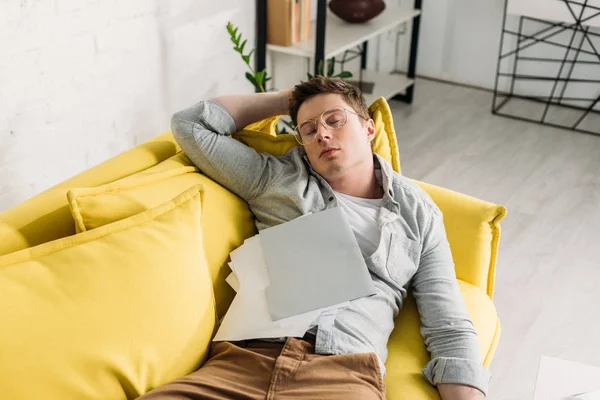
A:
(248, 108)
(445, 323)
(202, 132)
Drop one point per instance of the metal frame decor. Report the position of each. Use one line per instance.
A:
(579, 46)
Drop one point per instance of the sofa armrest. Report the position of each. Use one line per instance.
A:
(473, 230)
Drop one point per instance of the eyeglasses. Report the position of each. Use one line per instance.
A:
(333, 118)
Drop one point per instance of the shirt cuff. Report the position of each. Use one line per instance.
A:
(459, 371)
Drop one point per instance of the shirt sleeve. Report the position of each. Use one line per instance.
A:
(446, 326)
(203, 132)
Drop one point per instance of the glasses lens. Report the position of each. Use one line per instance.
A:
(334, 118)
(306, 131)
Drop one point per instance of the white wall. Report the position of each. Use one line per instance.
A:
(459, 41)
(81, 81)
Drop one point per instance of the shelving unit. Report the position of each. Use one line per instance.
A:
(330, 37)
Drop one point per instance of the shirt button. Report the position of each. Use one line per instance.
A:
(331, 198)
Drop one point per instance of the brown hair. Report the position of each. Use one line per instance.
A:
(319, 85)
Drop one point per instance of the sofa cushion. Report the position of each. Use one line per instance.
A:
(261, 135)
(407, 353)
(110, 313)
(226, 219)
(46, 216)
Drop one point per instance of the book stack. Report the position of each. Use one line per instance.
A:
(288, 21)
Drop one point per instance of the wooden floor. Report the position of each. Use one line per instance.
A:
(548, 276)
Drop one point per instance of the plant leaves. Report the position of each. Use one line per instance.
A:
(331, 67)
(309, 75)
(247, 57)
(242, 46)
(344, 74)
(252, 80)
(320, 68)
(259, 76)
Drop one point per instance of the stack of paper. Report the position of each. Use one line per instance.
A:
(293, 275)
(248, 316)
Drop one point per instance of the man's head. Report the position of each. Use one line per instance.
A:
(334, 126)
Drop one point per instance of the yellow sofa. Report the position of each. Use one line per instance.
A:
(472, 226)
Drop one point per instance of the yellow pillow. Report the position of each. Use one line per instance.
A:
(226, 219)
(261, 135)
(110, 313)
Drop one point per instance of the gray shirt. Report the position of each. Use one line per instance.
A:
(413, 251)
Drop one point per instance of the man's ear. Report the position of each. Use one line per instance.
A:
(370, 129)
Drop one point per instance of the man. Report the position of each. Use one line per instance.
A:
(399, 230)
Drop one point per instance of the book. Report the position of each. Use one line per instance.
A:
(296, 22)
(279, 22)
(305, 20)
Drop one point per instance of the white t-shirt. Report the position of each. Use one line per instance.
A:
(362, 215)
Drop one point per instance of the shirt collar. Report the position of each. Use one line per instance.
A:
(386, 182)
(386, 178)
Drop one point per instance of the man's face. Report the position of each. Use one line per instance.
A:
(337, 152)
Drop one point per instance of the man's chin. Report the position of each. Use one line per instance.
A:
(331, 170)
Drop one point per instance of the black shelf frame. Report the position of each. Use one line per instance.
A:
(261, 43)
(568, 62)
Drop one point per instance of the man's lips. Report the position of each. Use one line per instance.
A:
(327, 150)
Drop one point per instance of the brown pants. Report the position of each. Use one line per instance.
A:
(257, 369)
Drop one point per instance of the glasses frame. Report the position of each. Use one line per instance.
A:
(319, 121)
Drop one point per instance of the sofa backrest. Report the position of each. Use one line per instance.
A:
(46, 216)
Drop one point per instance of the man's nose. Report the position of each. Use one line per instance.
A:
(322, 132)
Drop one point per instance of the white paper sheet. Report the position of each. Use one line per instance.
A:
(595, 395)
(561, 380)
(233, 280)
(313, 262)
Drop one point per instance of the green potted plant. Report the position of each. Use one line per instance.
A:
(259, 79)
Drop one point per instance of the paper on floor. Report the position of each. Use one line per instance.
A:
(561, 380)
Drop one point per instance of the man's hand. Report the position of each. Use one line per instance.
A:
(452, 391)
(286, 94)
